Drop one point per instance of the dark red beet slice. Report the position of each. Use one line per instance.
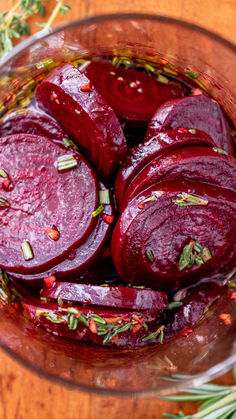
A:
(198, 164)
(157, 145)
(136, 324)
(133, 94)
(31, 122)
(79, 259)
(150, 237)
(42, 196)
(71, 99)
(194, 112)
(117, 297)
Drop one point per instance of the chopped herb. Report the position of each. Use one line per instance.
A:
(72, 310)
(154, 335)
(98, 211)
(191, 74)
(3, 173)
(185, 199)
(193, 253)
(192, 131)
(220, 151)
(206, 254)
(97, 319)
(53, 317)
(59, 302)
(4, 203)
(77, 111)
(44, 299)
(66, 162)
(69, 143)
(231, 283)
(162, 79)
(150, 255)
(104, 196)
(27, 250)
(44, 63)
(151, 198)
(175, 304)
(72, 322)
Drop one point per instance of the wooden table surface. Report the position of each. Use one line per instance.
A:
(24, 394)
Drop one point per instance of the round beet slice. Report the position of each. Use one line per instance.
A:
(79, 259)
(43, 196)
(199, 164)
(149, 241)
(194, 112)
(31, 122)
(133, 94)
(156, 146)
(103, 326)
(117, 297)
(69, 96)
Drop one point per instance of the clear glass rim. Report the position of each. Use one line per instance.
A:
(198, 379)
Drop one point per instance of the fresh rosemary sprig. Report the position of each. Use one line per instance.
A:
(216, 401)
(13, 22)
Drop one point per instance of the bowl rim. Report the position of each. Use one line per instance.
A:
(194, 380)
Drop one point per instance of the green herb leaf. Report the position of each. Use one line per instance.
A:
(191, 74)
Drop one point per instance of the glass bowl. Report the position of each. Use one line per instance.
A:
(210, 350)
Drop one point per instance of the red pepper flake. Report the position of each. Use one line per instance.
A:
(112, 319)
(140, 206)
(49, 280)
(7, 98)
(197, 92)
(15, 83)
(163, 61)
(187, 333)
(81, 334)
(115, 339)
(6, 183)
(136, 328)
(86, 87)
(17, 306)
(138, 319)
(226, 317)
(108, 218)
(233, 296)
(125, 319)
(93, 327)
(53, 233)
(182, 129)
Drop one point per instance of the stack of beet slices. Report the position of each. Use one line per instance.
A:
(170, 223)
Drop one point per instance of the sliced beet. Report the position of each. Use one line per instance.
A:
(69, 96)
(80, 258)
(105, 296)
(199, 164)
(42, 196)
(194, 112)
(99, 320)
(153, 230)
(31, 122)
(133, 94)
(157, 145)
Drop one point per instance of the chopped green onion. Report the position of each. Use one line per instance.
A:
(44, 63)
(104, 196)
(206, 254)
(44, 299)
(186, 258)
(185, 199)
(27, 250)
(98, 211)
(53, 317)
(192, 131)
(124, 328)
(161, 336)
(150, 199)
(4, 203)
(72, 322)
(175, 304)
(60, 302)
(3, 173)
(77, 111)
(72, 310)
(220, 151)
(66, 162)
(97, 319)
(231, 283)
(83, 319)
(150, 255)
(162, 79)
(191, 74)
(69, 143)
(197, 247)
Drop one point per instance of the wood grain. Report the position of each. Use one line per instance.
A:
(24, 394)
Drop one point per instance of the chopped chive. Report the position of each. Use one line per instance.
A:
(98, 211)
(44, 63)
(200, 256)
(149, 199)
(161, 336)
(124, 328)
(231, 283)
(145, 326)
(186, 258)
(44, 299)
(198, 260)
(104, 196)
(83, 319)
(4, 203)
(149, 68)
(77, 111)
(66, 162)
(3, 173)
(53, 317)
(162, 79)
(107, 338)
(101, 332)
(72, 310)
(97, 319)
(197, 247)
(69, 143)
(220, 151)
(72, 322)
(27, 250)
(150, 255)
(191, 74)
(185, 199)
(175, 304)
(192, 131)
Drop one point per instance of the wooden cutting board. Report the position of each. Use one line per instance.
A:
(25, 395)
